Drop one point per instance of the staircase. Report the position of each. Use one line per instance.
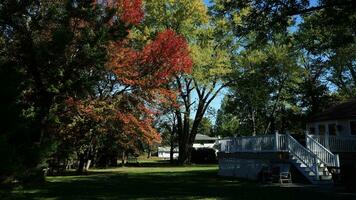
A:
(312, 161)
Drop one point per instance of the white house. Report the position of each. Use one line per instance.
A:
(339, 120)
(201, 141)
(204, 141)
(335, 128)
(164, 152)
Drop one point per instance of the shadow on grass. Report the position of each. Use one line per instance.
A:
(162, 185)
(156, 163)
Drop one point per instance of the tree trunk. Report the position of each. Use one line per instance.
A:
(183, 157)
(273, 125)
(149, 153)
(123, 158)
(171, 151)
(87, 165)
(253, 122)
(81, 163)
(113, 159)
(186, 134)
(186, 142)
(171, 154)
(172, 141)
(272, 117)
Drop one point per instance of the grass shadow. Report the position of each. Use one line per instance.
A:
(146, 184)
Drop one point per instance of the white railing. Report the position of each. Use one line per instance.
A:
(311, 157)
(263, 143)
(337, 143)
(224, 145)
(304, 155)
(324, 154)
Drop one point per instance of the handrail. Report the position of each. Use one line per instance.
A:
(340, 143)
(324, 154)
(261, 143)
(306, 156)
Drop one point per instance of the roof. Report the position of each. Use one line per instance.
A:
(167, 149)
(345, 110)
(204, 137)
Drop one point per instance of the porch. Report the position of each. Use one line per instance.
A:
(278, 143)
(336, 144)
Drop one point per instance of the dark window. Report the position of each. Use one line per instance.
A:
(353, 127)
(312, 130)
(321, 129)
(332, 129)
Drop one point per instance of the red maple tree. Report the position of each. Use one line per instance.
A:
(128, 11)
(148, 71)
(154, 65)
(145, 74)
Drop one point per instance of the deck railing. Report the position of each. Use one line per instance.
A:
(324, 154)
(337, 143)
(224, 145)
(263, 143)
(273, 143)
(304, 155)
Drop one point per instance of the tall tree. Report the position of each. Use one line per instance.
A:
(316, 49)
(210, 62)
(59, 50)
(328, 36)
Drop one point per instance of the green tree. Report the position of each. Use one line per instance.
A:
(57, 53)
(211, 62)
(81, 76)
(286, 70)
(328, 36)
(227, 123)
(206, 127)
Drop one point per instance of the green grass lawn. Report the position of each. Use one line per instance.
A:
(157, 182)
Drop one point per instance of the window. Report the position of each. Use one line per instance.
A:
(332, 129)
(321, 129)
(353, 127)
(312, 130)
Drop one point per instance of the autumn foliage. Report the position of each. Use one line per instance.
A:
(154, 65)
(147, 72)
(88, 120)
(144, 73)
(129, 11)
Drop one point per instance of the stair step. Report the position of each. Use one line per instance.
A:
(326, 178)
(310, 173)
(303, 165)
(320, 173)
(299, 154)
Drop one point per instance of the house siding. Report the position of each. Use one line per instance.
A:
(344, 124)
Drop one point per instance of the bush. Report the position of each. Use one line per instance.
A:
(203, 156)
(348, 176)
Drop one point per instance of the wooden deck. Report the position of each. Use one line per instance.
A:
(245, 155)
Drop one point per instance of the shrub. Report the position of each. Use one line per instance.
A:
(203, 155)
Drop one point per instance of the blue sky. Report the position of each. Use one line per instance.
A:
(207, 2)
